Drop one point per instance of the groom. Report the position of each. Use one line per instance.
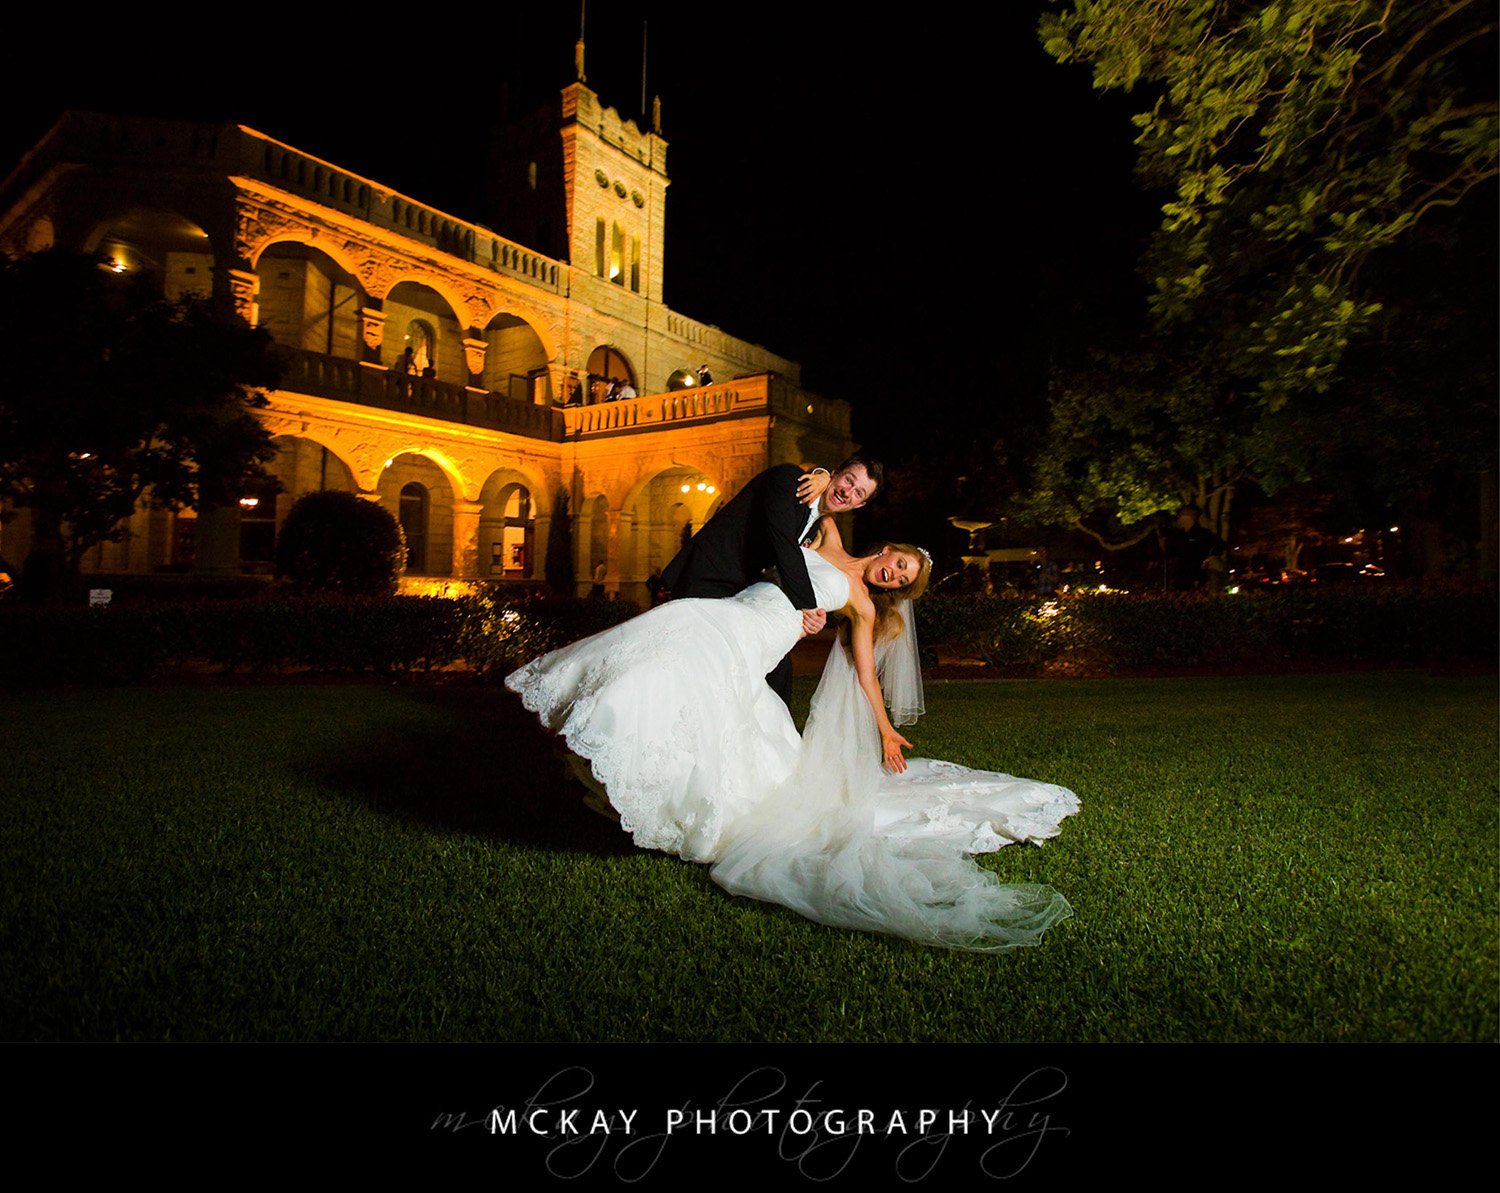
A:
(763, 527)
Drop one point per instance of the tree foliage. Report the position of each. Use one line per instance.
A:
(117, 395)
(338, 542)
(1303, 149)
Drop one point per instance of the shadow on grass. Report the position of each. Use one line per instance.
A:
(491, 771)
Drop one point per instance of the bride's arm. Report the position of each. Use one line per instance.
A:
(862, 639)
(827, 531)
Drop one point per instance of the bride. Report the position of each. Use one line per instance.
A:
(700, 758)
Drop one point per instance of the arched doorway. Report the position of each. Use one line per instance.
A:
(420, 496)
(606, 364)
(507, 527)
(654, 518)
(413, 517)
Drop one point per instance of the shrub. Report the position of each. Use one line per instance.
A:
(337, 542)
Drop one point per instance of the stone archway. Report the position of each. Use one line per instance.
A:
(414, 311)
(607, 364)
(510, 546)
(652, 521)
(591, 541)
(308, 300)
(515, 361)
(301, 466)
(167, 246)
(413, 487)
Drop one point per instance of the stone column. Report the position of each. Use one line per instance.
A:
(466, 560)
(612, 554)
(237, 290)
(372, 330)
(474, 350)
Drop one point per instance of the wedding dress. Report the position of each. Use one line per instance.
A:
(701, 759)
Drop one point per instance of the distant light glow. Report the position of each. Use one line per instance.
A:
(249, 503)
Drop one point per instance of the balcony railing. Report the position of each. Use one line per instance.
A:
(763, 394)
(349, 381)
(243, 152)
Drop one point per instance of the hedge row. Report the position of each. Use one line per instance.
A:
(491, 634)
(1100, 633)
(133, 643)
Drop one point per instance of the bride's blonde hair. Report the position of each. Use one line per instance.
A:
(888, 622)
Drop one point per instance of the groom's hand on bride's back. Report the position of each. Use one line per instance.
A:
(813, 620)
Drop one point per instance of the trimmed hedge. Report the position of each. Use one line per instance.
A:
(1102, 633)
(278, 634)
(338, 542)
(494, 632)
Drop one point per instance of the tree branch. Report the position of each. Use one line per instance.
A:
(1099, 538)
(1452, 10)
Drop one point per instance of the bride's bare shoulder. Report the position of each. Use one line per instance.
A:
(828, 533)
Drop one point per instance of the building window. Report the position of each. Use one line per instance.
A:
(258, 526)
(635, 264)
(414, 526)
(531, 175)
(617, 256)
(515, 536)
(422, 342)
(599, 248)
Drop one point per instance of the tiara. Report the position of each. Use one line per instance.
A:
(926, 554)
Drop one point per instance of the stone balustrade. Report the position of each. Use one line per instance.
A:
(345, 380)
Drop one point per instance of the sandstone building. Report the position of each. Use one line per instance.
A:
(449, 372)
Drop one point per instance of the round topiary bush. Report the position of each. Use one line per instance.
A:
(337, 542)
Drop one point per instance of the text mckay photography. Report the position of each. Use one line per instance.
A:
(574, 1124)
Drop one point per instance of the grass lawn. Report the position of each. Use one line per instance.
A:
(1258, 859)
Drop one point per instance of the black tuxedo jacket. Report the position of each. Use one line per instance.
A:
(760, 528)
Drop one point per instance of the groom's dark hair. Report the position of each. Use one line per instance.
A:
(874, 469)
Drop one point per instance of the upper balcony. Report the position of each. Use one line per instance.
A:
(237, 151)
(764, 395)
(345, 380)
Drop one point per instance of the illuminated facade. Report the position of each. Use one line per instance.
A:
(452, 374)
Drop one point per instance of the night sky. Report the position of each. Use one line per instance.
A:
(919, 212)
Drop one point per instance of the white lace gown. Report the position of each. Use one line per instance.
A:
(701, 759)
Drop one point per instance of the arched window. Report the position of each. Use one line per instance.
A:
(516, 534)
(413, 520)
(422, 341)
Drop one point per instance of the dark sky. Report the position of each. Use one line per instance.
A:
(917, 211)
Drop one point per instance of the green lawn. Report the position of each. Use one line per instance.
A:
(1268, 858)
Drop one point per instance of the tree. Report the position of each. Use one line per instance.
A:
(1306, 150)
(339, 542)
(119, 395)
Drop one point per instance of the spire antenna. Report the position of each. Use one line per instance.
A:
(578, 48)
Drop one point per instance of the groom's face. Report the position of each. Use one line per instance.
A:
(849, 489)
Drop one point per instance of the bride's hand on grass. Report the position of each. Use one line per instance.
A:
(890, 744)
